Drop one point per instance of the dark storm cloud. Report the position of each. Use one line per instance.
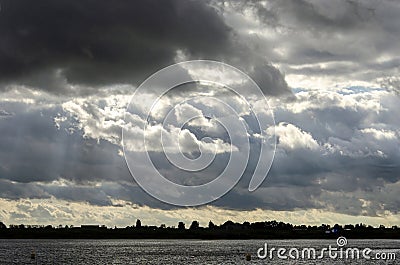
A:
(102, 42)
(54, 44)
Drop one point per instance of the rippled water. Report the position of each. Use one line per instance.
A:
(95, 252)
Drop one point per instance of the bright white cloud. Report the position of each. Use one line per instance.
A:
(291, 137)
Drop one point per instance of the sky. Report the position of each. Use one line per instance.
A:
(328, 69)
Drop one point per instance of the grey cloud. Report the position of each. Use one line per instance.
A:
(33, 149)
(392, 84)
(342, 15)
(41, 190)
(317, 17)
(59, 44)
(4, 113)
(276, 198)
(358, 38)
(17, 190)
(339, 180)
(90, 194)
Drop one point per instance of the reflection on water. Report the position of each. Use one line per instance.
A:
(95, 252)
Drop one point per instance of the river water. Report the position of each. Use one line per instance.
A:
(94, 252)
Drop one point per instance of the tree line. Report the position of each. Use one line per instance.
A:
(228, 225)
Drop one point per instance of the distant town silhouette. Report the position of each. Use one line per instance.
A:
(227, 230)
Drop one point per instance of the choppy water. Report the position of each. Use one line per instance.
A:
(93, 252)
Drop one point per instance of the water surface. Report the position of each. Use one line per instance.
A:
(94, 252)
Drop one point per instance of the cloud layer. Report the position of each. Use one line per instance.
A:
(68, 70)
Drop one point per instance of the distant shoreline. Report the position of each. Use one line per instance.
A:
(198, 233)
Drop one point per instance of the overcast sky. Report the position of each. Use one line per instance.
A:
(329, 69)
